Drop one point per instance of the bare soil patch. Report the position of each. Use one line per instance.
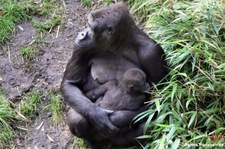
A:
(42, 73)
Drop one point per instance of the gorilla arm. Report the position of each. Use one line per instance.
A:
(152, 59)
(74, 75)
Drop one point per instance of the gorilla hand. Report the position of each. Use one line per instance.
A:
(99, 118)
(123, 118)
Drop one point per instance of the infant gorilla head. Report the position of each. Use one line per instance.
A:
(134, 81)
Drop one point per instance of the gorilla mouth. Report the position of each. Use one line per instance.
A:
(80, 44)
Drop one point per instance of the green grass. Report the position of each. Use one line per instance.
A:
(86, 3)
(28, 53)
(56, 107)
(48, 24)
(46, 7)
(107, 2)
(11, 113)
(191, 107)
(24, 111)
(28, 106)
(54, 12)
(79, 143)
(7, 116)
(12, 12)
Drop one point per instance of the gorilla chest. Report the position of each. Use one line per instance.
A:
(109, 67)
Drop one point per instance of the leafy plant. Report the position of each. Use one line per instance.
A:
(48, 24)
(28, 53)
(107, 2)
(7, 116)
(56, 107)
(28, 105)
(86, 3)
(79, 143)
(11, 12)
(190, 107)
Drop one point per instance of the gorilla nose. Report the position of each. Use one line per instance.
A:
(147, 87)
(82, 35)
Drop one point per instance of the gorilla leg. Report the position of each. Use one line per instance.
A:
(128, 138)
(78, 125)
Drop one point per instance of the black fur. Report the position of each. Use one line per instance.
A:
(105, 51)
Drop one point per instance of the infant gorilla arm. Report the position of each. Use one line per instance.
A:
(132, 85)
(94, 94)
(125, 99)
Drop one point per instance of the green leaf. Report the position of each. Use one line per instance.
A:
(162, 142)
(171, 132)
(173, 91)
(147, 124)
(198, 137)
(161, 118)
(221, 129)
(157, 103)
(176, 144)
(192, 119)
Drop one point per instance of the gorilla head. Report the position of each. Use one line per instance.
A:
(106, 26)
(134, 81)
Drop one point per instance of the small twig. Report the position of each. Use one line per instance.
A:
(20, 27)
(22, 116)
(57, 33)
(40, 125)
(50, 30)
(22, 128)
(31, 42)
(50, 138)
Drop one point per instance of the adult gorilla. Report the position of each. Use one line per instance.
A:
(111, 45)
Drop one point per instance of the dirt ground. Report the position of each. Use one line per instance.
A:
(43, 73)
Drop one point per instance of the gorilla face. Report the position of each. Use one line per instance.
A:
(134, 80)
(105, 28)
(85, 38)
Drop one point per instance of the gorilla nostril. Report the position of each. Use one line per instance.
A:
(82, 35)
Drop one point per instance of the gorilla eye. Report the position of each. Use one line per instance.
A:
(109, 30)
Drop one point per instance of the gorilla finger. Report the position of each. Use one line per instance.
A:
(109, 112)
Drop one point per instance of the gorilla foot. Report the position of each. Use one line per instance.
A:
(96, 145)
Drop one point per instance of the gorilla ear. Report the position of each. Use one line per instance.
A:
(109, 30)
(91, 19)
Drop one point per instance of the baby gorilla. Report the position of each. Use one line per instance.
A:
(127, 95)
